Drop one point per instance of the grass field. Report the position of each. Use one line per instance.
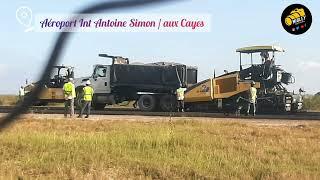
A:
(312, 103)
(8, 100)
(73, 149)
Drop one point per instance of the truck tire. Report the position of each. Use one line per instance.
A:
(98, 106)
(147, 103)
(168, 103)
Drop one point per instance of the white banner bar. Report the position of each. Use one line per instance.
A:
(122, 23)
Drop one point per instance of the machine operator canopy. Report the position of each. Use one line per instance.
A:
(256, 49)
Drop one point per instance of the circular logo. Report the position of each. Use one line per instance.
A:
(296, 19)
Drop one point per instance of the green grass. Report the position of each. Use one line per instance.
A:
(312, 103)
(178, 149)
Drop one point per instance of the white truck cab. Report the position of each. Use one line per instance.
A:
(100, 79)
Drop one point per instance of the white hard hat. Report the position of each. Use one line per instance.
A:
(70, 79)
(88, 82)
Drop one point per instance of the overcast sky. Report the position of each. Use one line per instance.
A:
(234, 24)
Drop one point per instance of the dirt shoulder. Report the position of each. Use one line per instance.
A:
(260, 122)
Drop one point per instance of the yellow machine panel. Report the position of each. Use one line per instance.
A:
(221, 87)
(52, 94)
(230, 85)
(200, 92)
(226, 84)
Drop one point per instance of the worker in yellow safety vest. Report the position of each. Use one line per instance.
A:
(69, 95)
(252, 99)
(180, 98)
(87, 98)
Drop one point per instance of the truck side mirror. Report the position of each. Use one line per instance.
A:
(71, 74)
(95, 77)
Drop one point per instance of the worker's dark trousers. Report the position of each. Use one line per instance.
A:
(86, 105)
(180, 105)
(21, 98)
(69, 107)
(253, 105)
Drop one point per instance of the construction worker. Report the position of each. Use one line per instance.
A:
(69, 95)
(180, 98)
(21, 94)
(264, 56)
(252, 99)
(87, 97)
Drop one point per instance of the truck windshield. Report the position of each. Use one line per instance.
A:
(100, 72)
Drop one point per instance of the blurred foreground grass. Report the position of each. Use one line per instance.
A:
(73, 149)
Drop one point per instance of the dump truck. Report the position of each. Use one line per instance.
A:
(151, 86)
(229, 92)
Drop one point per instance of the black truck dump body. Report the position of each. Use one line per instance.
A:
(156, 77)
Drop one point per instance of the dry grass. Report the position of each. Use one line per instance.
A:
(72, 149)
(8, 100)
